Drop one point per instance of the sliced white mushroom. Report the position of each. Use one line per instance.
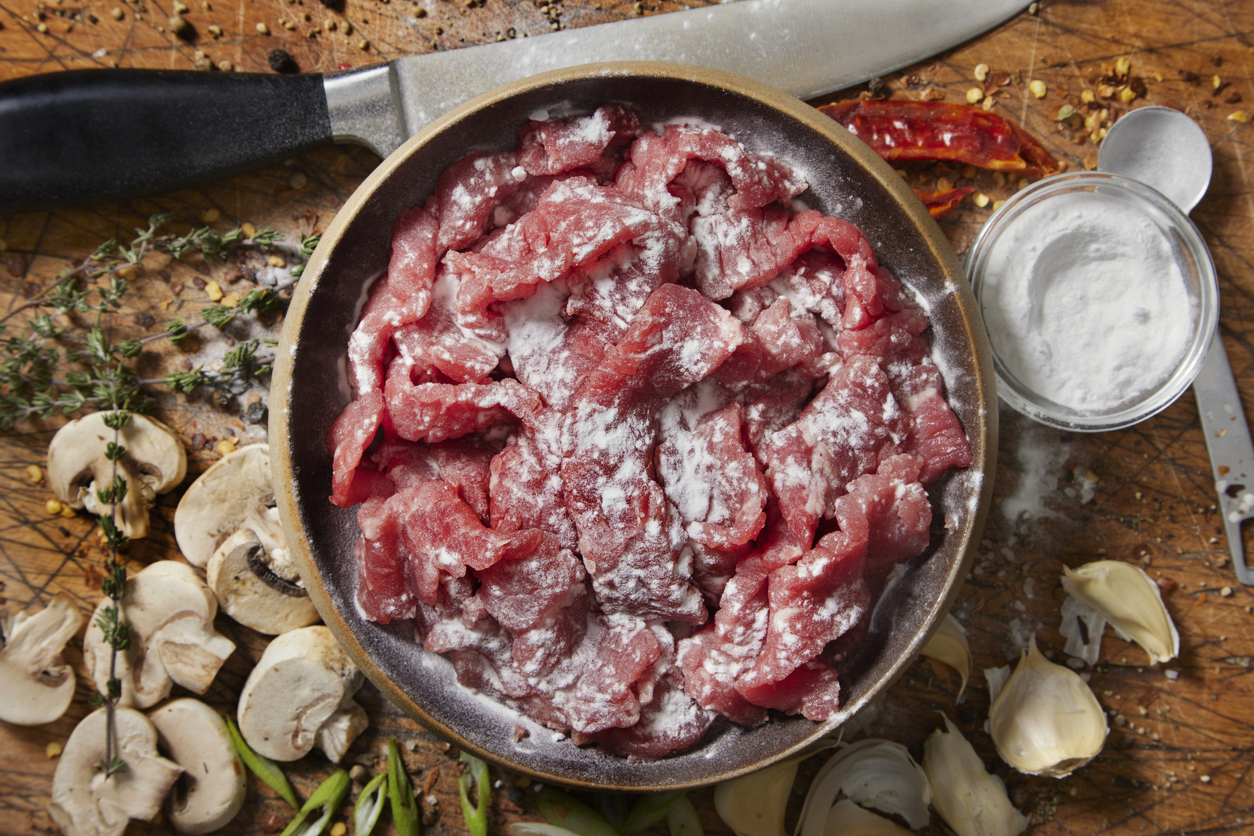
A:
(170, 612)
(227, 524)
(302, 682)
(154, 463)
(36, 685)
(234, 494)
(211, 790)
(250, 591)
(87, 803)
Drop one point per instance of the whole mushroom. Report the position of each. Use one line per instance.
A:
(155, 462)
(36, 685)
(300, 695)
(86, 802)
(227, 524)
(211, 790)
(170, 612)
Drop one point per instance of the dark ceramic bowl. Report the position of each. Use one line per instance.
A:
(847, 180)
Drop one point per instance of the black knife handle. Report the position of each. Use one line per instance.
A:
(90, 135)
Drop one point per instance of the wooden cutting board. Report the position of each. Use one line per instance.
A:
(1181, 744)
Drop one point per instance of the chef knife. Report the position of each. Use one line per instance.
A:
(87, 135)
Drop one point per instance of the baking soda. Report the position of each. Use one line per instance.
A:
(1085, 303)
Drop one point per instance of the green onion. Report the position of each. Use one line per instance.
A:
(476, 816)
(325, 800)
(568, 812)
(261, 766)
(401, 790)
(369, 805)
(650, 809)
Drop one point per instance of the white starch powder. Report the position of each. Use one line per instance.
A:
(1084, 302)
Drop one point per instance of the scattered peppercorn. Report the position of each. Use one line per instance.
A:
(282, 62)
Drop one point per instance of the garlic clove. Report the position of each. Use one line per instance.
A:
(848, 819)
(970, 800)
(754, 804)
(949, 646)
(873, 773)
(1130, 601)
(1046, 720)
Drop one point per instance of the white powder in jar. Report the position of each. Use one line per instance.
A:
(1084, 302)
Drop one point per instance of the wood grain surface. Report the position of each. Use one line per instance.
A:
(1181, 747)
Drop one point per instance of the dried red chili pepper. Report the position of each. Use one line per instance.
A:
(902, 130)
(940, 204)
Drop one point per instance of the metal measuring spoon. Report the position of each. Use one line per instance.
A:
(1167, 151)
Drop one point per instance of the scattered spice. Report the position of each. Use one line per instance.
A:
(281, 61)
(265, 30)
(1038, 88)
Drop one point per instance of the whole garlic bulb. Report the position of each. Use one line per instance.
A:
(1046, 720)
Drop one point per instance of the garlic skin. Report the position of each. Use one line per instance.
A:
(949, 646)
(1130, 601)
(1046, 720)
(872, 773)
(970, 800)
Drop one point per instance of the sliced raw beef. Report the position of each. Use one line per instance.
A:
(610, 391)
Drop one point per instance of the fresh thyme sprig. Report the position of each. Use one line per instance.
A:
(97, 285)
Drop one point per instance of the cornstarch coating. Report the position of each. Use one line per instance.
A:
(633, 440)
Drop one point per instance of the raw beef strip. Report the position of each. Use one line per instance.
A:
(811, 690)
(403, 296)
(541, 599)
(383, 589)
(656, 161)
(353, 431)
(670, 720)
(467, 194)
(575, 223)
(772, 405)
(724, 650)
(812, 602)
(630, 536)
(436, 411)
(462, 350)
(444, 536)
(526, 485)
(895, 510)
(839, 437)
(712, 480)
(935, 435)
(464, 463)
(560, 145)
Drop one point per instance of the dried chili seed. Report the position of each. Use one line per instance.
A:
(282, 62)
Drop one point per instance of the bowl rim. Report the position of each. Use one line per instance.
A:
(983, 436)
(1041, 410)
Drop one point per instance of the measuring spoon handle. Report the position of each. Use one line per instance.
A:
(1231, 450)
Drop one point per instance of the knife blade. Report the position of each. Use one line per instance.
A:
(89, 135)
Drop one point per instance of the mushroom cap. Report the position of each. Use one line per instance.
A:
(270, 605)
(234, 493)
(302, 679)
(211, 790)
(36, 685)
(84, 802)
(170, 612)
(155, 462)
